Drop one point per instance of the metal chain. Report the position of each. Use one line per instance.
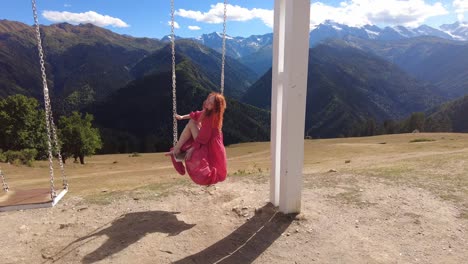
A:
(174, 99)
(223, 54)
(5, 185)
(57, 150)
(46, 99)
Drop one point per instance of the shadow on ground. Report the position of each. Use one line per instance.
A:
(247, 242)
(126, 230)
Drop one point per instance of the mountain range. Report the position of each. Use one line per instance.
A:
(138, 117)
(330, 29)
(79, 59)
(437, 61)
(348, 86)
(87, 63)
(430, 55)
(255, 51)
(126, 82)
(129, 76)
(238, 47)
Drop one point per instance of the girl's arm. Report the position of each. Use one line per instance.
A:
(182, 117)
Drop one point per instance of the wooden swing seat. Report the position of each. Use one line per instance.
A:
(29, 199)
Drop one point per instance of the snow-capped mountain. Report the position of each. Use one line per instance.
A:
(167, 38)
(457, 30)
(240, 47)
(330, 29)
(425, 30)
(236, 47)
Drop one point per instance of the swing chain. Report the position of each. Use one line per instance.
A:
(174, 93)
(5, 185)
(46, 98)
(57, 150)
(223, 53)
(51, 130)
(174, 99)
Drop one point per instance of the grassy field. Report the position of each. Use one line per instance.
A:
(383, 199)
(436, 162)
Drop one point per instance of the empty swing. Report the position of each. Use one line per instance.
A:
(201, 144)
(16, 199)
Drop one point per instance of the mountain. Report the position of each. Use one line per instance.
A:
(138, 117)
(425, 30)
(434, 60)
(239, 47)
(18, 72)
(125, 82)
(259, 58)
(236, 47)
(84, 63)
(450, 116)
(458, 30)
(237, 77)
(256, 51)
(348, 86)
(167, 38)
(330, 29)
(259, 61)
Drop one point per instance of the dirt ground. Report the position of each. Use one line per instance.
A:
(388, 199)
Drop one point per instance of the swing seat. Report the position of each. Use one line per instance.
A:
(29, 199)
(37, 198)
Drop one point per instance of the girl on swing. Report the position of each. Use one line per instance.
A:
(202, 142)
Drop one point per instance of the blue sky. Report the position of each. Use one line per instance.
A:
(149, 18)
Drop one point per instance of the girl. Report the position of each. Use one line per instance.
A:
(202, 142)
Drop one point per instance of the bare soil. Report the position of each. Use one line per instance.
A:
(380, 199)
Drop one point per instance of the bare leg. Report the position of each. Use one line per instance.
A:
(190, 131)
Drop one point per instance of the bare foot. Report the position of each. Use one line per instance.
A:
(174, 152)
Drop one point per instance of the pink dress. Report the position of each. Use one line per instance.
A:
(208, 164)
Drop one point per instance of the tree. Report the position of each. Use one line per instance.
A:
(371, 127)
(79, 138)
(390, 127)
(22, 125)
(416, 122)
(439, 123)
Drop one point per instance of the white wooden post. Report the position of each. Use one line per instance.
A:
(276, 100)
(289, 90)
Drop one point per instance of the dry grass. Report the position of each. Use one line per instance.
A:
(438, 165)
(381, 199)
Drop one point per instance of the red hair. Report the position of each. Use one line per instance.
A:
(218, 110)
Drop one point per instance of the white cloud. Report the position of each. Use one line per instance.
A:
(234, 13)
(361, 12)
(87, 17)
(461, 6)
(176, 25)
(67, 5)
(350, 12)
(194, 27)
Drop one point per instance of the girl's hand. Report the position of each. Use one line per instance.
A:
(188, 154)
(178, 117)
